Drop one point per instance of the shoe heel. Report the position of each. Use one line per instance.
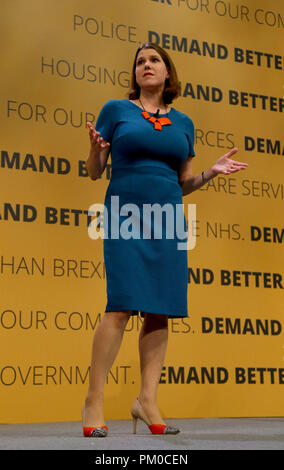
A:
(134, 423)
(138, 413)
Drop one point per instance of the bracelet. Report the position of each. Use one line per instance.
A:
(203, 177)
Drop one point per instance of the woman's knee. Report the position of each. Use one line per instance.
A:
(120, 318)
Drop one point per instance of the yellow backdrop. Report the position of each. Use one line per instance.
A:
(61, 61)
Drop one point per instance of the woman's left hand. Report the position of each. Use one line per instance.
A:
(225, 165)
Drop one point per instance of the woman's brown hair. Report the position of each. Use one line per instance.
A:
(172, 85)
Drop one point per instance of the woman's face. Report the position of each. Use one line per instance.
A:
(151, 71)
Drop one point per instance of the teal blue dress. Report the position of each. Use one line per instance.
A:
(143, 220)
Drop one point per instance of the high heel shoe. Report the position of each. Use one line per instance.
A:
(91, 431)
(95, 432)
(137, 412)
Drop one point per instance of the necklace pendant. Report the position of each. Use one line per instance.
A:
(165, 121)
(158, 122)
(146, 115)
(152, 119)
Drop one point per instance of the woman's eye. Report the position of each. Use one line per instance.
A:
(140, 61)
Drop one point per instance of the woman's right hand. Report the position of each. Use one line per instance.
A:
(97, 142)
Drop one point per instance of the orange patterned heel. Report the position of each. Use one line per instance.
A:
(162, 429)
(137, 412)
(92, 431)
(95, 432)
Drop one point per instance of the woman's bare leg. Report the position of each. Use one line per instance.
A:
(153, 342)
(106, 344)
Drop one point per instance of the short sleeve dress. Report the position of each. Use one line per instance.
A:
(144, 224)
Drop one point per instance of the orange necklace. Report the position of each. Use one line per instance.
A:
(158, 122)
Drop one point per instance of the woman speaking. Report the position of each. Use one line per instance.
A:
(152, 148)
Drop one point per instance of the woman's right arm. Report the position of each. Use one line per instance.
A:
(98, 154)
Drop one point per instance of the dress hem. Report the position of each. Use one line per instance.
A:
(136, 311)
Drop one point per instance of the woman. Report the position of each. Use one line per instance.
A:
(152, 150)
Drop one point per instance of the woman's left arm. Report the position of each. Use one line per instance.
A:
(224, 165)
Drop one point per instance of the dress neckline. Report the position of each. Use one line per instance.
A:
(160, 114)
